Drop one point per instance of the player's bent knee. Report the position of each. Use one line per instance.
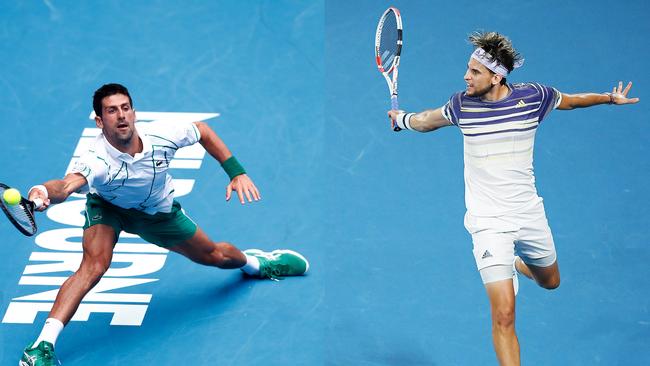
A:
(551, 284)
(93, 270)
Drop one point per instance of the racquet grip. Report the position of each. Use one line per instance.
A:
(38, 203)
(394, 105)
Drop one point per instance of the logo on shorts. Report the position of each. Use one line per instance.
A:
(97, 217)
(487, 254)
(159, 163)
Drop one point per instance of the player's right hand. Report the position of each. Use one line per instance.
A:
(34, 194)
(392, 114)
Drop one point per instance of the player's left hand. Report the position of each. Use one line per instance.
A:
(244, 186)
(619, 95)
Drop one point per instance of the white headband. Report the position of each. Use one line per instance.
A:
(493, 64)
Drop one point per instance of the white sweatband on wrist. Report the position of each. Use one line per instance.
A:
(41, 188)
(403, 121)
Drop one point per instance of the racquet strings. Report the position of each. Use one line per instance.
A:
(388, 41)
(20, 214)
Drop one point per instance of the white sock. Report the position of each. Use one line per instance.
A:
(252, 266)
(50, 332)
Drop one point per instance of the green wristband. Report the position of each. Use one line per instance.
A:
(232, 167)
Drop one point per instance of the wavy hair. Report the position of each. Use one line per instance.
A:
(498, 46)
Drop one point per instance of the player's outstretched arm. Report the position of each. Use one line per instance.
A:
(425, 121)
(239, 181)
(58, 190)
(617, 96)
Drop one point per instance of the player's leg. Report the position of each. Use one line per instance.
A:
(200, 249)
(494, 253)
(98, 243)
(177, 232)
(502, 307)
(547, 277)
(278, 263)
(538, 258)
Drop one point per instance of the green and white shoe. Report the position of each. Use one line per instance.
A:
(279, 263)
(42, 355)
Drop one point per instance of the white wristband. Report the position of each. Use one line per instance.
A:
(403, 121)
(41, 188)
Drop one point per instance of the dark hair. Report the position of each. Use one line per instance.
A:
(106, 91)
(498, 46)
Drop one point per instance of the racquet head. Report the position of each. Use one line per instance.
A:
(21, 214)
(388, 40)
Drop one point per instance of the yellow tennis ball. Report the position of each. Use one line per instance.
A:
(11, 196)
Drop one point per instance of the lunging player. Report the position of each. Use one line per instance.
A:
(126, 173)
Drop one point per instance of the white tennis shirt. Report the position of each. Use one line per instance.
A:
(142, 181)
(499, 138)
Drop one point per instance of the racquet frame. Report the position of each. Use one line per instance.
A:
(390, 80)
(27, 206)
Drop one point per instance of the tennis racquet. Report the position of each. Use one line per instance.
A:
(388, 46)
(22, 213)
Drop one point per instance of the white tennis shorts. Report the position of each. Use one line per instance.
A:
(498, 239)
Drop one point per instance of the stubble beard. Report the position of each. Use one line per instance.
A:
(122, 139)
(481, 92)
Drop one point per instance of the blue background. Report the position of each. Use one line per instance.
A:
(379, 214)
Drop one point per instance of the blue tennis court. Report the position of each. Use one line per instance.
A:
(292, 88)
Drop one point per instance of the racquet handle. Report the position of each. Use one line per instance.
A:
(394, 105)
(38, 203)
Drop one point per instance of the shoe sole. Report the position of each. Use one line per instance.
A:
(23, 363)
(253, 251)
(288, 251)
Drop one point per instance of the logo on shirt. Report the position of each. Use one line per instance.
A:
(521, 104)
(159, 163)
(487, 254)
